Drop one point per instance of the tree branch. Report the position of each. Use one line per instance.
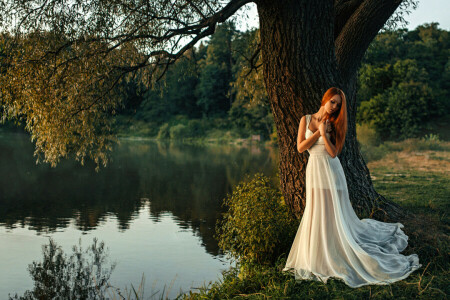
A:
(165, 55)
(343, 10)
(359, 31)
(252, 61)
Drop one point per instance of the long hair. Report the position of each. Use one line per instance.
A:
(339, 118)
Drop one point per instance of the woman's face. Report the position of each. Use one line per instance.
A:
(334, 105)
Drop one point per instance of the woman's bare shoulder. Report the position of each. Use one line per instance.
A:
(302, 121)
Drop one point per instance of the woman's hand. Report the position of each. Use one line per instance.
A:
(324, 127)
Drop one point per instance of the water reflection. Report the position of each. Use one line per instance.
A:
(84, 274)
(187, 181)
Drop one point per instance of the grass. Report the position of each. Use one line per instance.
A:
(413, 173)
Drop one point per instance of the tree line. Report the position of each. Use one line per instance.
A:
(212, 86)
(403, 83)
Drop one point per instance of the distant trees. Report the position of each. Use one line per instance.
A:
(401, 86)
(215, 75)
(403, 81)
(214, 80)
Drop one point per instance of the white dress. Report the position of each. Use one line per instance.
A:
(332, 241)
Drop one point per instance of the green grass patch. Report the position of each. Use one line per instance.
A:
(416, 191)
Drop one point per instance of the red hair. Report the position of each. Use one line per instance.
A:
(339, 118)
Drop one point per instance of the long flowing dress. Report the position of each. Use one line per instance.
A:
(332, 241)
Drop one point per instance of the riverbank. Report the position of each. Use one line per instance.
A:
(413, 173)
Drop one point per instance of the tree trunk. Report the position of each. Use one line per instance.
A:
(298, 51)
(365, 200)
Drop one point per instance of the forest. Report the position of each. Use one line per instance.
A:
(216, 90)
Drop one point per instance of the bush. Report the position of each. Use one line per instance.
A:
(400, 112)
(178, 131)
(257, 227)
(274, 136)
(195, 128)
(164, 132)
(367, 135)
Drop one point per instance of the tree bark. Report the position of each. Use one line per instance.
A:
(300, 64)
(365, 200)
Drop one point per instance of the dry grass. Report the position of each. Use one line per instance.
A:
(422, 161)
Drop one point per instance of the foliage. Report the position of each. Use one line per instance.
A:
(367, 135)
(81, 275)
(374, 79)
(178, 86)
(257, 227)
(402, 82)
(250, 111)
(394, 83)
(210, 84)
(221, 79)
(373, 150)
(256, 119)
(195, 128)
(67, 111)
(431, 138)
(273, 135)
(399, 112)
(62, 64)
(178, 131)
(215, 74)
(164, 131)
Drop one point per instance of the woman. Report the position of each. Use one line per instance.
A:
(331, 241)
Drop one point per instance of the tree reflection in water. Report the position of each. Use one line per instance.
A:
(82, 275)
(186, 180)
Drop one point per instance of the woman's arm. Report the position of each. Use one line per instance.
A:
(302, 143)
(331, 149)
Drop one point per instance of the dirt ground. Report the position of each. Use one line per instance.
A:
(426, 161)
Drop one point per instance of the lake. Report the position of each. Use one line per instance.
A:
(154, 206)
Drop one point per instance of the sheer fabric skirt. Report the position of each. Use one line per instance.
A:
(333, 242)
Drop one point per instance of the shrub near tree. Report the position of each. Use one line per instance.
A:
(257, 226)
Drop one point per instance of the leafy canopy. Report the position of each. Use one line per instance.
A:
(63, 63)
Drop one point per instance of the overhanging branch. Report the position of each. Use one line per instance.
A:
(343, 10)
(359, 31)
(163, 32)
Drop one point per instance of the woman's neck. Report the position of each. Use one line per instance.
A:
(320, 114)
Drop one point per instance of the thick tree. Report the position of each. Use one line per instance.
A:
(64, 58)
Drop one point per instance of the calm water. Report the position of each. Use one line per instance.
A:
(155, 207)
